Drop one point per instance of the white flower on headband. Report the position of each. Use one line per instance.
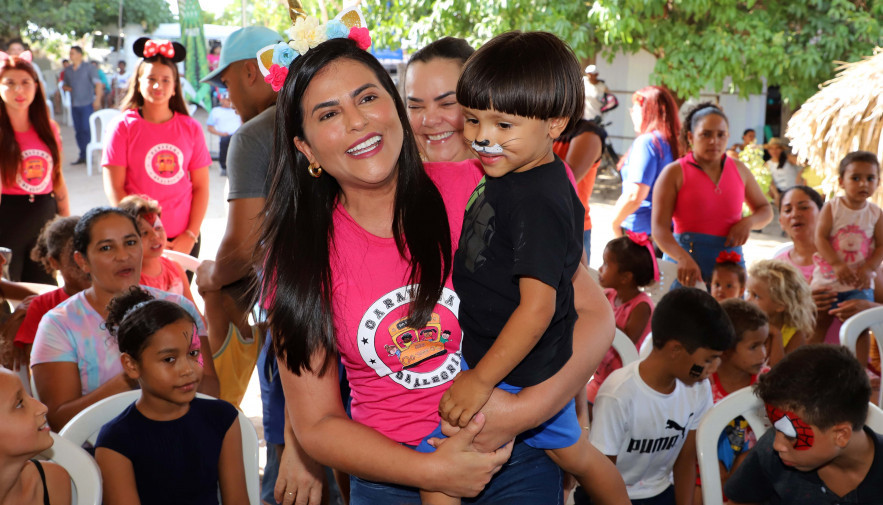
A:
(306, 34)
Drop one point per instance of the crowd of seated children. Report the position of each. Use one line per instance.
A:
(819, 450)
(157, 271)
(629, 264)
(646, 413)
(739, 367)
(781, 291)
(24, 433)
(168, 447)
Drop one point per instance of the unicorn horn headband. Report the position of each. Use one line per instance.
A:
(307, 33)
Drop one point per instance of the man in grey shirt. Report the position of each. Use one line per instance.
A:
(81, 80)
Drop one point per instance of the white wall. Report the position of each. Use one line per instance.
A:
(628, 73)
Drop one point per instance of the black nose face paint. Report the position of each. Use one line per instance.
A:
(696, 371)
(483, 143)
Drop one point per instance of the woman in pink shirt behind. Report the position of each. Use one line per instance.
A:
(33, 186)
(157, 149)
(702, 195)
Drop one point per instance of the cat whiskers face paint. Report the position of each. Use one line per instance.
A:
(483, 147)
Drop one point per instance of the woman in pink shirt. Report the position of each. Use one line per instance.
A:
(701, 194)
(32, 184)
(157, 149)
(359, 237)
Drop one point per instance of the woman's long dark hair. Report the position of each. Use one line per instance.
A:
(133, 99)
(297, 234)
(38, 115)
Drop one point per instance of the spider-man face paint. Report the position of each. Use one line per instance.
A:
(792, 426)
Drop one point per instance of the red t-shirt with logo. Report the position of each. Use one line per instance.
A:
(34, 175)
(397, 374)
(158, 160)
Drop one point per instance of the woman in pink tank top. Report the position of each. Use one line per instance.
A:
(700, 198)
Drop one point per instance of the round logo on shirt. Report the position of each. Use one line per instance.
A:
(415, 358)
(33, 177)
(163, 164)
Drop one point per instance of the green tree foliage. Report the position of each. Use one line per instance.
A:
(699, 44)
(274, 13)
(77, 17)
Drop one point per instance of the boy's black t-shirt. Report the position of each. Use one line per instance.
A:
(527, 224)
(762, 477)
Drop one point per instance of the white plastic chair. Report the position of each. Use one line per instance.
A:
(594, 274)
(84, 472)
(98, 136)
(66, 106)
(739, 403)
(646, 346)
(746, 404)
(624, 346)
(668, 273)
(786, 247)
(185, 261)
(84, 428)
(871, 319)
(191, 108)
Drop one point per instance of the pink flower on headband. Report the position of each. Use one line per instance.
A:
(276, 77)
(643, 240)
(729, 257)
(361, 36)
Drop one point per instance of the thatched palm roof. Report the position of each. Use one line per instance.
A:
(844, 116)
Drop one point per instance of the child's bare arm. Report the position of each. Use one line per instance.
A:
(823, 245)
(471, 388)
(873, 262)
(231, 473)
(637, 322)
(685, 471)
(118, 478)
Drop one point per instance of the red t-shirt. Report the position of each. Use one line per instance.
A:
(40, 305)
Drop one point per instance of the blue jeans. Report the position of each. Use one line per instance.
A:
(528, 478)
(587, 244)
(81, 127)
(704, 250)
(855, 294)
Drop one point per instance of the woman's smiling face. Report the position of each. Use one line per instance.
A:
(435, 115)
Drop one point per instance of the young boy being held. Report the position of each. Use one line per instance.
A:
(819, 450)
(521, 244)
(646, 413)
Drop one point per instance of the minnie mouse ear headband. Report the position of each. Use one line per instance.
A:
(307, 33)
(642, 239)
(148, 48)
(26, 56)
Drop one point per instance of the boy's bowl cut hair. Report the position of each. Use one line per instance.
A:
(860, 156)
(824, 382)
(529, 74)
(693, 318)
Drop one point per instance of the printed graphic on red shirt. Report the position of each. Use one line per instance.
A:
(414, 358)
(34, 174)
(164, 163)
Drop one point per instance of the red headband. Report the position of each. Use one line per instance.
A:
(643, 240)
(154, 47)
(729, 257)
(26, 56)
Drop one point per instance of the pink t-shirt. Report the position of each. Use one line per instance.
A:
(806, 270)
(611, 360)
(34, 176)
(397, 374)
(158, 159)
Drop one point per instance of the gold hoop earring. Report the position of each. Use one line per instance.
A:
(314, 169)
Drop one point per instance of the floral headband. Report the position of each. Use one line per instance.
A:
(729, 257)
(642, 239)
(307, 33)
